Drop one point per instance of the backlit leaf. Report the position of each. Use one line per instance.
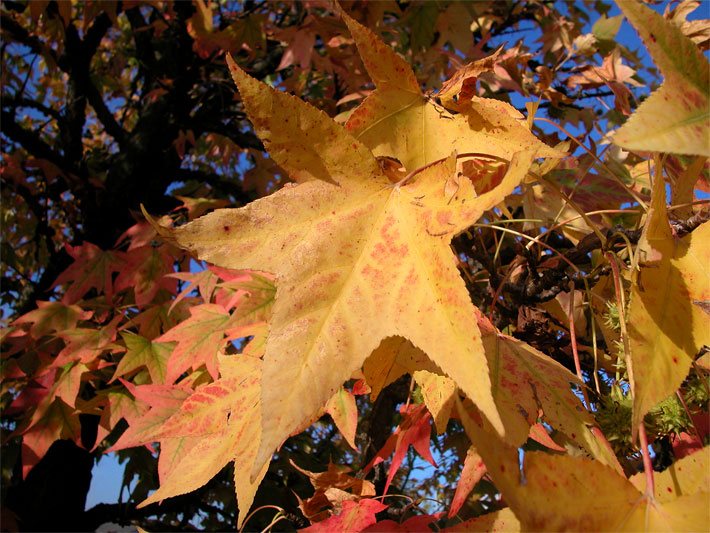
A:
(503, 521)
(415, 430)
(353, 516)
(142, 352)
(200, 339)
(227, 416)
(343, 410)
(473, 470)
(665, 326)
(397, 120)
(675, 117)
(360, 256)
(564, 493)
(687, 476)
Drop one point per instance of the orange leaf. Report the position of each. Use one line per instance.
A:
(144, 270)
(92, 269)
(473, 470)
(219, 422)
(343, 409)
(200, 339)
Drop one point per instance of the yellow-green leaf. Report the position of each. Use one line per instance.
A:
(555, 492)
(675, 117)
(666, 327)
(687, 476)
(144, 352)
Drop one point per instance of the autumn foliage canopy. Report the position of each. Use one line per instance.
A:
(387, 266)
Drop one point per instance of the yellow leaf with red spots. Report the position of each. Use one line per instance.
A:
(356, 259)
(666, 323)
(397, 120)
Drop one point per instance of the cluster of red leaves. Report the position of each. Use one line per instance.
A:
(121, 316)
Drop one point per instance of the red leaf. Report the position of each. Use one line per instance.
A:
(416, 524)
(140, 234)
(145, 271)
(91, 269)
(354, 516)
(415, 429)
(687, 444)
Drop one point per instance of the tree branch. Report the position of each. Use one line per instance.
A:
(22, 36)
(21, 101)
(32, 142)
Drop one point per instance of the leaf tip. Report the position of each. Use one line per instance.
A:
(166, 233)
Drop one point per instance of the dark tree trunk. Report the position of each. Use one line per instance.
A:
(53, 496)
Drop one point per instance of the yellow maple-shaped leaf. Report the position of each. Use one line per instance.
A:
(666, 326)
(571, 493)
(220, 422)
(555, 492)
(687, 476)
(675, 117)
(397, 120)
(356, 258)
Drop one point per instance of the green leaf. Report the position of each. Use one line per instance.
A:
(606, 28)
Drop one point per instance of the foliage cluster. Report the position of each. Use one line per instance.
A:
(447, 234)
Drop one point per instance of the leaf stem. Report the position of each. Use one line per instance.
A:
(647, 466)
(279, 509)
(629, 190)
(620, 304)
(416, 171)
(573, 342)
